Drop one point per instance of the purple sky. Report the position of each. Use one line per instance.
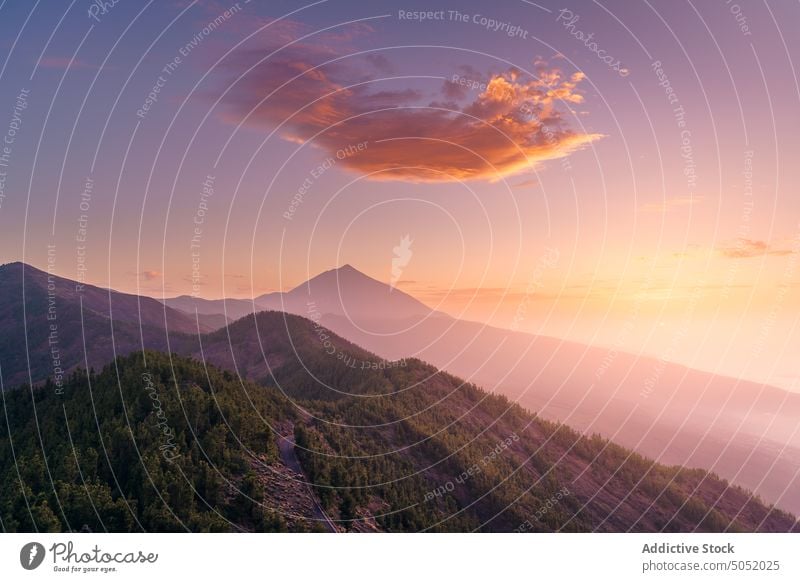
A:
(627, 171)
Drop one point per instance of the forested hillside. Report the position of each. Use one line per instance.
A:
(163, 443)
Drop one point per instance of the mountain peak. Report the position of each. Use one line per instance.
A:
(348, 270)
(347, 273)
(17, 267)
(346, 291)
(12, 265)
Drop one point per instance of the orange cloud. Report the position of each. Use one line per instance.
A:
(745, 248)
(512, 125)
(150, 275)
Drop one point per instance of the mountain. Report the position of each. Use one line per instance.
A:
(52, 323)
(174, 444)
(348, 293)
(304, 359)
(743, 430)
(266, 347)
(224, 310)
(320, 372)
(345, 292)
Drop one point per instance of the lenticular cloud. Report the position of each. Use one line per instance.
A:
(510, 123)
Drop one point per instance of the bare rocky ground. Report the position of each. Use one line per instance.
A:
(286, 487)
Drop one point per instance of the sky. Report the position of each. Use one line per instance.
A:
(620, 174)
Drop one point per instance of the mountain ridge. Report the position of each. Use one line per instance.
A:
(571, 392)
(740, 428)
(58, 317)
(218, 463)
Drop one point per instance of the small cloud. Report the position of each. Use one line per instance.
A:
(670, 204)
(745, 248)
(150, 275)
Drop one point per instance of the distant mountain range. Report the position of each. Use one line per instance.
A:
(47, 321)
(384, 444)
(344, 291)
(745, 431)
